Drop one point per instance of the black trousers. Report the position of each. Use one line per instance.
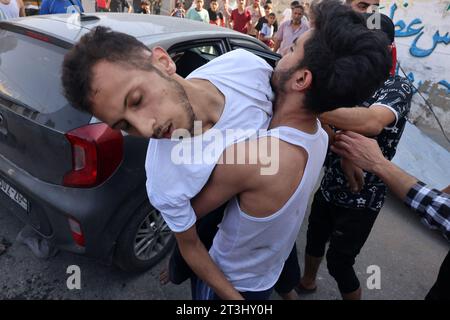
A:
(441, 289)
(346, 230)
(290, 275)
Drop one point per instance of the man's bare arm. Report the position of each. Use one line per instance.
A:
(226, 181)
(198, 258)
(276, 45)
(366, 121)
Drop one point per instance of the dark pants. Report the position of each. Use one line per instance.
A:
(207, 228)
(290, 275)
(347, 230)
(441, 289)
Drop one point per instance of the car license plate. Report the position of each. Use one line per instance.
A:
(15, 195)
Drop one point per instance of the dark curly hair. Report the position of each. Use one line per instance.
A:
(101, 44)
(348, 61)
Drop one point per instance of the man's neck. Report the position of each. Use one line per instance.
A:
(206, 100)
(289, 112)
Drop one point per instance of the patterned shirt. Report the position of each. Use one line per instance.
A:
(395, 94)
(432, 205)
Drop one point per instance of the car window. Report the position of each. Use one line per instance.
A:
(188, 58)
(256, 48)
(30, 79)
(30, 72)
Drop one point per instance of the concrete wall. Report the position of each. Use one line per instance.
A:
(422, 39)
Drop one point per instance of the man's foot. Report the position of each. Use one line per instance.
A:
(304, 287)
(291, 295)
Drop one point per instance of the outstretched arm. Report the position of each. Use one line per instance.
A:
(366, 154)
(198, 258)
(366, 121)
(432, 205)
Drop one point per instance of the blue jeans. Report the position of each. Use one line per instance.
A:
(201, 291)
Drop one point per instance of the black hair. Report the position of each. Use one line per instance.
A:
(298, 6)
(272, 15)
(348, 61)
(294, 3)
(100, 44)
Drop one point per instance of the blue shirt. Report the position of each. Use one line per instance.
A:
(60, 6)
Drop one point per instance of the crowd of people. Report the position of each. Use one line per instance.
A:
(253, 17)
(10, 9)
(235, 227)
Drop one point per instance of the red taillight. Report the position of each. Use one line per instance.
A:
(77, 234)
(37, 36)
(97, 151)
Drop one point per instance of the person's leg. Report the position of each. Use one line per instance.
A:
(320, 226)
(178, 270)
(289, 277)
(441, 288)
(351, 232)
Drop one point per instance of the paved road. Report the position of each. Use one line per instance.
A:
(408, 254)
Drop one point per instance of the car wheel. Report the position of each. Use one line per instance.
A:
(144, 241)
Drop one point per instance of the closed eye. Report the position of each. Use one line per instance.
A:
(137, 102)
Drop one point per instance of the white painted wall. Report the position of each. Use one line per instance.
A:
(420, 26)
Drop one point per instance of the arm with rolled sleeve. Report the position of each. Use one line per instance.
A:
(393, 102)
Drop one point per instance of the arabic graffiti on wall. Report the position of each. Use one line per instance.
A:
(411, 31)
(422, 31)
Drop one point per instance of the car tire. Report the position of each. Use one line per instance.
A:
(144, 241)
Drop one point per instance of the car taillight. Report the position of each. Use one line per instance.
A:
(77, 234)
(97, 151)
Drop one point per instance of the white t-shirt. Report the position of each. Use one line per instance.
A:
(10, 11)
(244, 80)
(267, 31)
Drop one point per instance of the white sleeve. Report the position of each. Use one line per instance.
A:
(178, 217)
(390, 108)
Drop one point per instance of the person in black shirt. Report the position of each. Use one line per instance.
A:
(215, 16)
(262, 20)
(348, 201)
(119, 6)
(432, 205)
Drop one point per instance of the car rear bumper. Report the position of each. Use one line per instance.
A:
(96, 209)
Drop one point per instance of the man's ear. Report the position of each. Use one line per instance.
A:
(303, 80)
(162, 61)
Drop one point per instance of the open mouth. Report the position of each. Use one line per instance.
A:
(167, 133)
